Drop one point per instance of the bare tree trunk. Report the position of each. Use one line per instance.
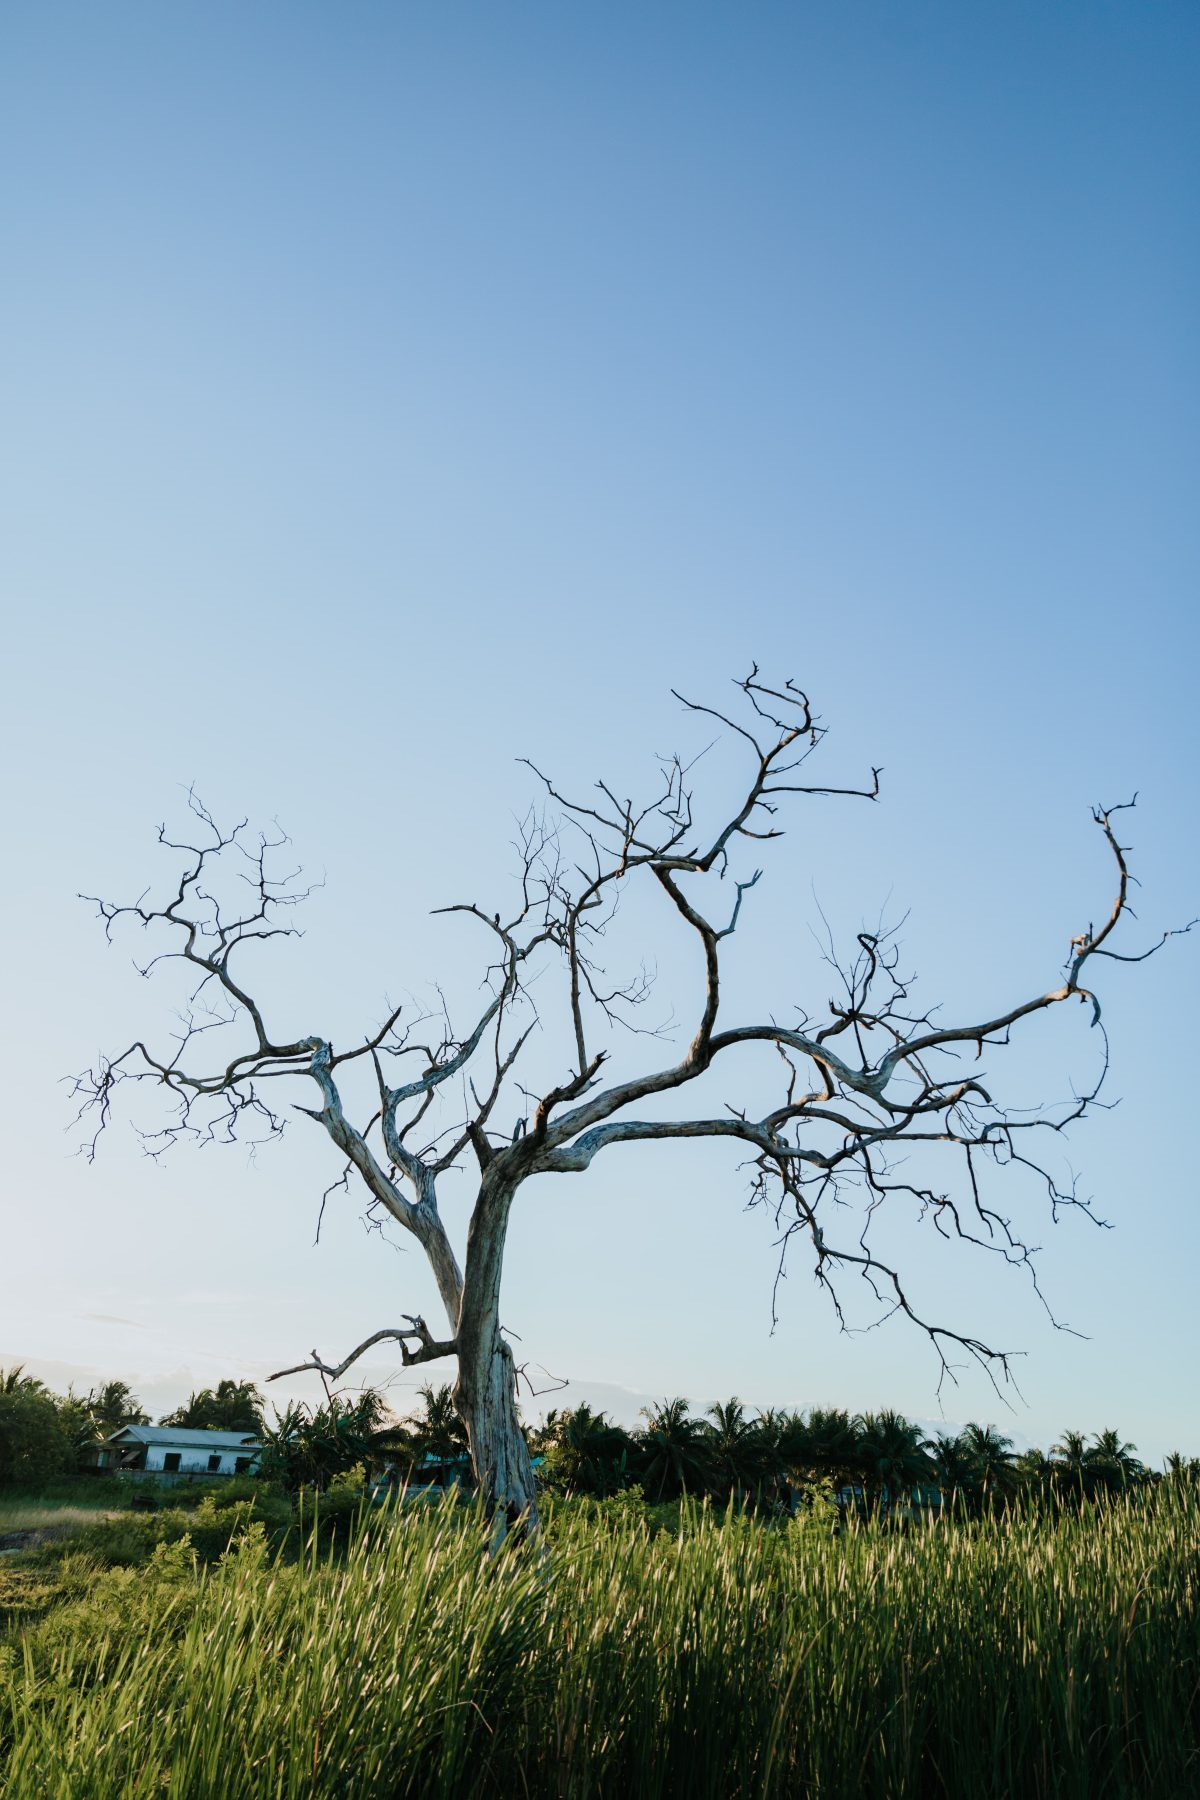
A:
(486, 1389)
(486, 1397)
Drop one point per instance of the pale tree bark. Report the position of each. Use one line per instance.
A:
(866, 1080)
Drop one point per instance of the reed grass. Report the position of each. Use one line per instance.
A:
(1033, 1656)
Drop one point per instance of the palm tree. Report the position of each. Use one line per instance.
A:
(230, 1406)
(954, 1468)
(588, 1453)
(993, 1459)
(239, 1404)
(1070, 1455)
(1113, 1461)
(778, 1431)
(1037, 1471)
(307, 1447)
(438, 1431)
(892, 1456)
(739, 1449)
(543, 1437)
(676, 1450)
(97, 1414)
(113, 1405)
(824, 1446)
(16, 1381)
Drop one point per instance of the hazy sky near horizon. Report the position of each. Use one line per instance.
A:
(391, 392)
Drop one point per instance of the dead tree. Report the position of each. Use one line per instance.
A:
(870, 1077)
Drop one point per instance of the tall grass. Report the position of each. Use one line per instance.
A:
(38, 1515)
(1024, 1656)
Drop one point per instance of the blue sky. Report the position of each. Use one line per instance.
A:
(391, 392)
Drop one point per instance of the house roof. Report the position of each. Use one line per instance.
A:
(187, 1440)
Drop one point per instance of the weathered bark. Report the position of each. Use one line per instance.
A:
(486, 1390)
(486, 1397)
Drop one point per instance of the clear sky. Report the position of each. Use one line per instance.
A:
(390, 391)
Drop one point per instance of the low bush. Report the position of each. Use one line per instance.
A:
(184, 1495)
(129, 1540)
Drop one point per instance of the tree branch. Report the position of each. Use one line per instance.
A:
(429, 1349)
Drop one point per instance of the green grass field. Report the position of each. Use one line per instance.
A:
(40, 1514)
(1030, 1656)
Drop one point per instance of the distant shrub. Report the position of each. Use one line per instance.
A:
(187, 1495)
(34, 1447)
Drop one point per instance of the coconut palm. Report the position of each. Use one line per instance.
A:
(891, 1455)
(230, 1406)
(740, 1450)
(824, 1447)
(1070, 1460)
(543, 1437)
(113, 1405)
(992, 1456)
(954, 1468)
(676, 1451)
(1113, 1461)
(306, 1447)
(97, 1414)
(778, 1431)
(15, 1381)
(438, 1432)
(1036, 1471)
(588, 1453)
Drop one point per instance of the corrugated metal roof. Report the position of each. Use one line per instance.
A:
(187, 1440)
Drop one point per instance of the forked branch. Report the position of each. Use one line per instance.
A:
(428, 1349)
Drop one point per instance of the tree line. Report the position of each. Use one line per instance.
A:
(774, 1456)
(725, 1453)
(769, 1458)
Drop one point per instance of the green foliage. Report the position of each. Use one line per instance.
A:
(115, 1404)
(772, 1461)
(308, 1446)
(585, 1453)
(14, 1381)
(230, 1406)
(224, 1489)
(129, 1540)
(891, 1456)
(676, 1452)
(627, 1508)
(744, 1456)
(34, 1446)
(1051, 1657)
(334, 1518)
(437, 1431)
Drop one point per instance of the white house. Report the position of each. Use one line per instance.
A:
(171, 1450)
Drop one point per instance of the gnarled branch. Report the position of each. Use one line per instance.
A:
(428, 1349)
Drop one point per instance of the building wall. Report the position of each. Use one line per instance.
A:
(193, 1459)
